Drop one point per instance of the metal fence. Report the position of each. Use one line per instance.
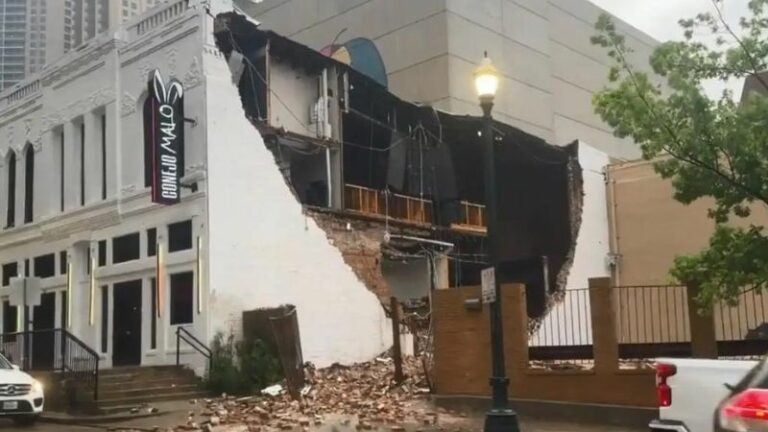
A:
(652, 321)
(652, 314)
(565, 332)
(741, 329)
(53, 350)
(746, 320)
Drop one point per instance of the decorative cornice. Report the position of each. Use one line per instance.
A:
(79, 60)
(128, 104)
(95, 100)
(194, 75)
(170, 58)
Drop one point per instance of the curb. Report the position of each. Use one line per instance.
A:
(96, 420)
(613, 415)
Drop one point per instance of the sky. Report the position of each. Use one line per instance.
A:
(658, 18)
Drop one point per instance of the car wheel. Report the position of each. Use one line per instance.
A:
(25, 420)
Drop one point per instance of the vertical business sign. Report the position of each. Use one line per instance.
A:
(164, 128)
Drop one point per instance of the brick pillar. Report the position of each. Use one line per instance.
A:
(515, 317)
(605, 342)
(703, 339)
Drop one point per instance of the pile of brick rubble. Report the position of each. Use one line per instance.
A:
(365, 390)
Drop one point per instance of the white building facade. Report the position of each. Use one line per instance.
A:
(120, 272)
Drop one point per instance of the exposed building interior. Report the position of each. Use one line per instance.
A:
(398, 187)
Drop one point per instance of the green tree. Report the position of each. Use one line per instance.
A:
(707, 147)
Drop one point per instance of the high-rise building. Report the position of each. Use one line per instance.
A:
(13, 41)
(36, 32)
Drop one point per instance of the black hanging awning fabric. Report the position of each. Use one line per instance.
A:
(540, 196)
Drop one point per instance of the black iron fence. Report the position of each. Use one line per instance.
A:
(53, 350)
(565, 332)
(650, 322)
(741, 329)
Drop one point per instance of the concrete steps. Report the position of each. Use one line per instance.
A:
(123, 388)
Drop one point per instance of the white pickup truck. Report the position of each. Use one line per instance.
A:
(692, 392)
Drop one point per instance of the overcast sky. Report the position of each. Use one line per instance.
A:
(659, 19)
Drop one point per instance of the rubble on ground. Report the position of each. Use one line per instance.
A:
(365, 392)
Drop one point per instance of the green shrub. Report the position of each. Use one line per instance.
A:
(259, 364)
(244, 367)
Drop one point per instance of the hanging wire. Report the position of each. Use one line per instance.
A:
(364, 116)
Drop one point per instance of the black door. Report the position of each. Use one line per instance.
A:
(126, 324)
(43, 318)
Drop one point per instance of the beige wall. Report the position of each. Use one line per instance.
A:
(431, 47)
(649, 228)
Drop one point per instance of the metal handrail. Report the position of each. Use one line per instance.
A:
(69, 358)
(195, 343)
(92, 353)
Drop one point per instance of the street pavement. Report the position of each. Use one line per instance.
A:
(8, 426)
(526, 426)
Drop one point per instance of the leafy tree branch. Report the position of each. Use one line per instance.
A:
(708, 148)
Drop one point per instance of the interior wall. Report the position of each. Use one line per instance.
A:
(295, 88)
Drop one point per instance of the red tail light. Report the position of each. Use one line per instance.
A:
(663, 391)
(747, 411)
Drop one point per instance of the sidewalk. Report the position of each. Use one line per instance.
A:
(149, 412)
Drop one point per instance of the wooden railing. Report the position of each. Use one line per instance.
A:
(396, 206)
(409, 209)
(471, 217)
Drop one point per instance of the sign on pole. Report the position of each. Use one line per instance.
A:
(25, 291)
(488, 278)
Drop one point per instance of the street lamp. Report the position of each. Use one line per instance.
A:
(500, 418)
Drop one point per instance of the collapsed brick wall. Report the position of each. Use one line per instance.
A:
(359, 242)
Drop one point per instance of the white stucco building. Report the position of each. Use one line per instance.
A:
(77, 213)
(290, 193)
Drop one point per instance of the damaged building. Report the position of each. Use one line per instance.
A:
(398, 186)
(190, 167)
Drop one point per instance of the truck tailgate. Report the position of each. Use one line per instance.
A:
(697, 388)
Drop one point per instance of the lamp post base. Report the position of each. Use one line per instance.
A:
(501, 420)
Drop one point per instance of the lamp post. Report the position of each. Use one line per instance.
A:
(500, 418)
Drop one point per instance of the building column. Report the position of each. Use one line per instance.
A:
(605, 341)
(164, 338)
(47, 177)
(111, 158)
(703, 337)
(92, 121)
(71, 165)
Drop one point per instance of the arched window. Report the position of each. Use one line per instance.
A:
(29, 184)
(10, 219)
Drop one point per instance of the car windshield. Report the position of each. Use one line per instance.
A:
(4, 363)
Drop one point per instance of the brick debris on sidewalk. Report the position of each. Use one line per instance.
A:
(362, 396)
